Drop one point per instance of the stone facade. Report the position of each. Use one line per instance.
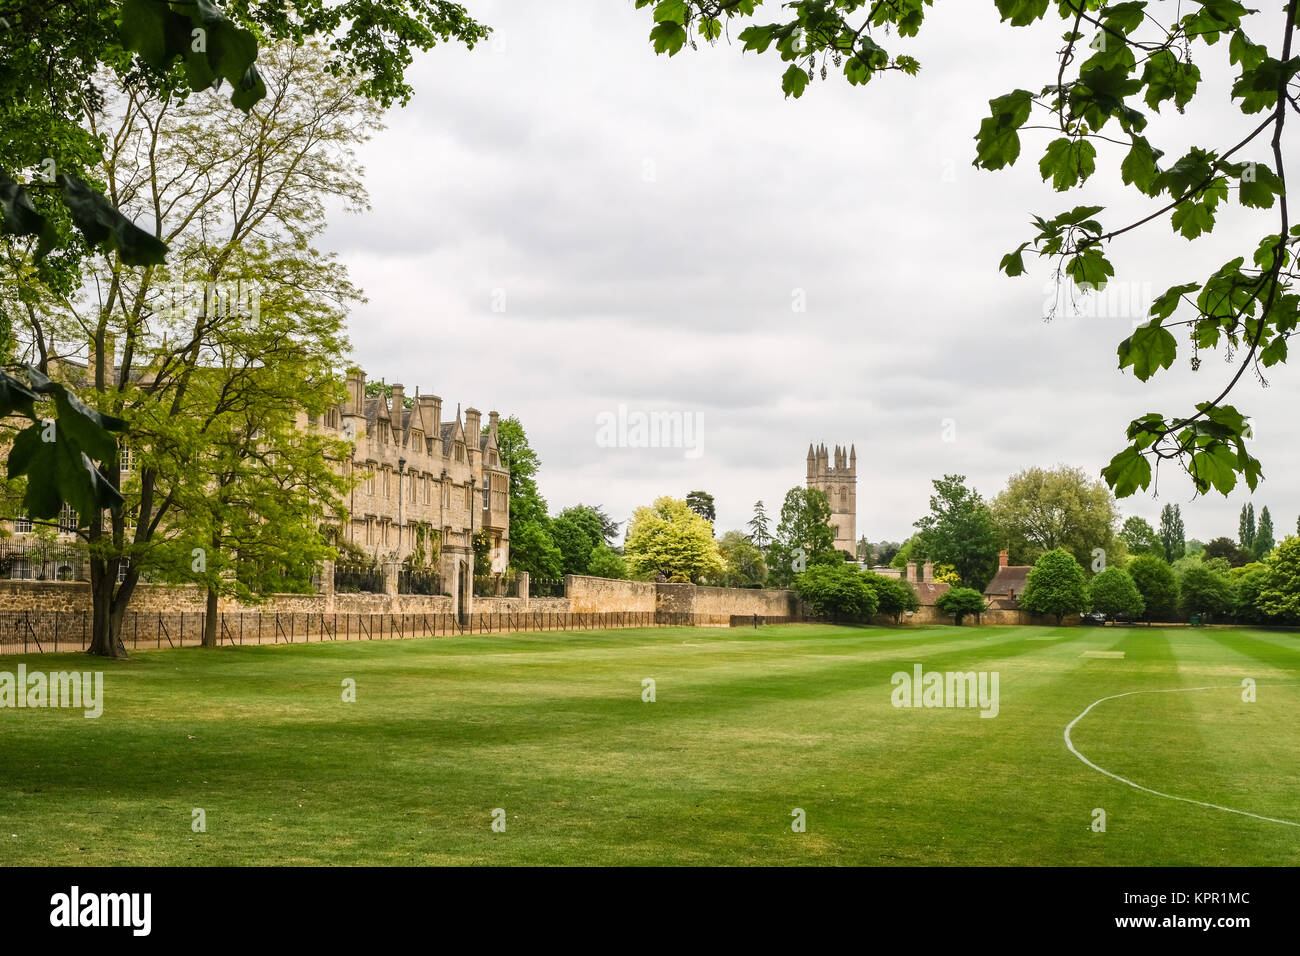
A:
(837, 476)
(422, 483)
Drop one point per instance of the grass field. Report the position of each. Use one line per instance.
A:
(746, 726)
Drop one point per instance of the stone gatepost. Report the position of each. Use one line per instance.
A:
(327, 585)
(523, 582)
(391, 568)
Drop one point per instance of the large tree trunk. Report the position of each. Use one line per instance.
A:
(210, 619)
(106, 626)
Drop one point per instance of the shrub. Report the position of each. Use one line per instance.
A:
(961, 601)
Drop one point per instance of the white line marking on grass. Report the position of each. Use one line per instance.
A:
(1137, 786)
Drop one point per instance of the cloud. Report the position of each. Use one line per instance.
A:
(674, 235)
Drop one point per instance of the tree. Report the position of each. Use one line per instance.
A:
(701, 502)
(1205, 592)
(886, 550)
(1279, 597)
(671, 541)
(804, 536)
(961, 601)
(903, 555)
(605, 563)
(1042, 509)
(1246, 527)
(758, 527)
(1156, 582)
(58, 60)
(1172, 534)
(893, 596)
(532, 546)
(1115, 58)
(1249, 588)
(249, 487)
(837, 591)
(959, 530)
(162, 337)
(1227, 549)
(1115, 595)
(577, 531)
(1056, 585)
(1140, 538)
(1264, 540)
(743, 564)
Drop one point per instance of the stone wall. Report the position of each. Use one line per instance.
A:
(669, 603)
(588, 595)
(928, 615)
(716, 606)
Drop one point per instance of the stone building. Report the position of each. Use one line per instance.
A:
(1003, 592)
(423, 484)
(840, 482)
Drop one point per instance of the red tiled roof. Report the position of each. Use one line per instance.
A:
(927, 594)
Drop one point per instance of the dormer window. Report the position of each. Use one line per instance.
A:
(460, 451)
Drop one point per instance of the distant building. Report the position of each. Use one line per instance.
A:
(839, 480)
(423, 479)
(1004, 591)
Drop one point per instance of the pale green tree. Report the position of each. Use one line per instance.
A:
(668, 540)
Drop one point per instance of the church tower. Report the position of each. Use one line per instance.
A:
(837, 475)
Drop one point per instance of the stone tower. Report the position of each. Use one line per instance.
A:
(838, 477)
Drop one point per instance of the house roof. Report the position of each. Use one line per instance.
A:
(928, 593)
(1010, 580)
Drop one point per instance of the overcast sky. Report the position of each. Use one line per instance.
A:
(564, 222)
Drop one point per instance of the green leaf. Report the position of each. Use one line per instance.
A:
(998, 142)
(16, 397)
(1191, 219)
(100, 222)
(1167, 302)
(1139, 166)
(19, 217)
(1090, 268)
(1068, 162)
(1257, 86)
(1013, 263)
(1127, 472)
(1216, 466)
(668, 37)
(1166, 77)
(671, 11)
(1258, 184)
(1021, 13)
(794, 80)
(1149, 349)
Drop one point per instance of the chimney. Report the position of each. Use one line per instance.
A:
(910, 574)
(492, 424)
(356, 385)
(399, 396)
(927, 572)
(473, 425)
(1002, 558)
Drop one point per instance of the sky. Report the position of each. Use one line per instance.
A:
(568, 228)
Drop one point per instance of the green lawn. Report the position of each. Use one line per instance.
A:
(747, 726)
